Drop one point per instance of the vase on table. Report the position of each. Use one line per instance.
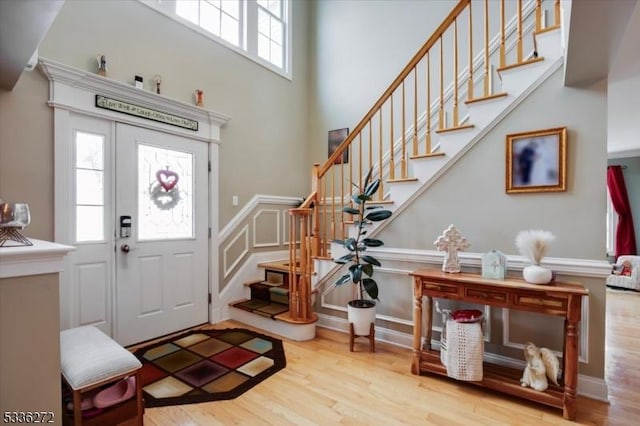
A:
(536, 274)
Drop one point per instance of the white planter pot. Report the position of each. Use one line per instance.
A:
(361, 317)
(535, 274)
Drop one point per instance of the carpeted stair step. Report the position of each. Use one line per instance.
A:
(261, 307)
(279, 295)
(250, 305)
(260, 291)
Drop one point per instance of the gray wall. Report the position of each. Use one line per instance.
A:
(472, 194)
(263, 146)
(632, 181)
(623, 110)
(359, 48)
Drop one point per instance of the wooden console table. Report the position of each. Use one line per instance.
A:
(560, 298)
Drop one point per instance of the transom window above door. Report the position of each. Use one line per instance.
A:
(257, 29)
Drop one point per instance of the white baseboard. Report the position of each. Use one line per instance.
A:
(382, 334)
(588, 386)
(593, 387)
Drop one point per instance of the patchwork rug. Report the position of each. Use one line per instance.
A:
(207, 365)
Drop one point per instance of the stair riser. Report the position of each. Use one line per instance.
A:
(485, 112)
(297, 332)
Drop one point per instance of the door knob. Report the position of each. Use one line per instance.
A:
(125, 248)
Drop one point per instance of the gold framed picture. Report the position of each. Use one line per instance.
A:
(537, 161)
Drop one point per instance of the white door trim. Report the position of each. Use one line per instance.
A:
(72, 90)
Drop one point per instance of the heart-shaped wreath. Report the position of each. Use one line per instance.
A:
(167, 179)
(163, 192)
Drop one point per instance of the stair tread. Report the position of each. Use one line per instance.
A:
(546, 30)
(521, 64)
(402, 180)
(260, 307)
(453, 129)
(486, 98)
(432, 155)
(287, 318)
(280, 266)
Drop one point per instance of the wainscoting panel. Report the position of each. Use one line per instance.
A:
(532, 327)
(235, 250)
(266, 228)
(262, 225)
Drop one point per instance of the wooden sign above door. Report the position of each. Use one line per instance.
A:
(142, 112)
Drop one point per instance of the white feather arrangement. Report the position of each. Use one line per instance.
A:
(534, 244)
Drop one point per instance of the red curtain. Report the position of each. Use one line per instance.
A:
(625, 234)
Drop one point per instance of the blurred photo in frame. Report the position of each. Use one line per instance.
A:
(537, 161)
(336, 137)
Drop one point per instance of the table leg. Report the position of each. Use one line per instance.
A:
(417, 325)
(570, 369)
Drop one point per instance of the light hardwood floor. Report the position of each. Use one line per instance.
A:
(325, 384)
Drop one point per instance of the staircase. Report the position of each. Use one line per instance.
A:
(268, 304)
(445, 100)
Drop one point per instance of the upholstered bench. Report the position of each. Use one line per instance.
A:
(91, 360)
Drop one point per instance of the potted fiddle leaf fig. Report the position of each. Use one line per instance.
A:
(361, 312)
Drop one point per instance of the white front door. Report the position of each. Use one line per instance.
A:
(161, 234)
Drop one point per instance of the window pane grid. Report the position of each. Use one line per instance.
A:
(165, 213)
(89, 187)
(219, 17)
(270, 37)
(273, 6)
(249, 25)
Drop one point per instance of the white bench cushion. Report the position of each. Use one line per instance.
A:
(88, 356)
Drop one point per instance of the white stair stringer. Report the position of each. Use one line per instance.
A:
(518, 83)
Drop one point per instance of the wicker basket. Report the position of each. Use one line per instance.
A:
(463, 350)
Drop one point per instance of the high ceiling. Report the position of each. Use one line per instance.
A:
(603, 41)
(23, 25)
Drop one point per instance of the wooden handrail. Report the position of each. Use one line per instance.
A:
(382, 146)
(308, 202)
(439, 32)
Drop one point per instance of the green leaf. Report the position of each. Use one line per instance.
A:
(370, 259)
(343, 279)
(356, 273)
(356, 199)
(341, 242)
(346, 258)
(371, 287)
(372, 188)
(367, 269)
(372, 242)
(350, 244)
(378, 215)
(363, 197)
(350, 210)
(373, 207)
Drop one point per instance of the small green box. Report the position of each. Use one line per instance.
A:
(494, 265)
